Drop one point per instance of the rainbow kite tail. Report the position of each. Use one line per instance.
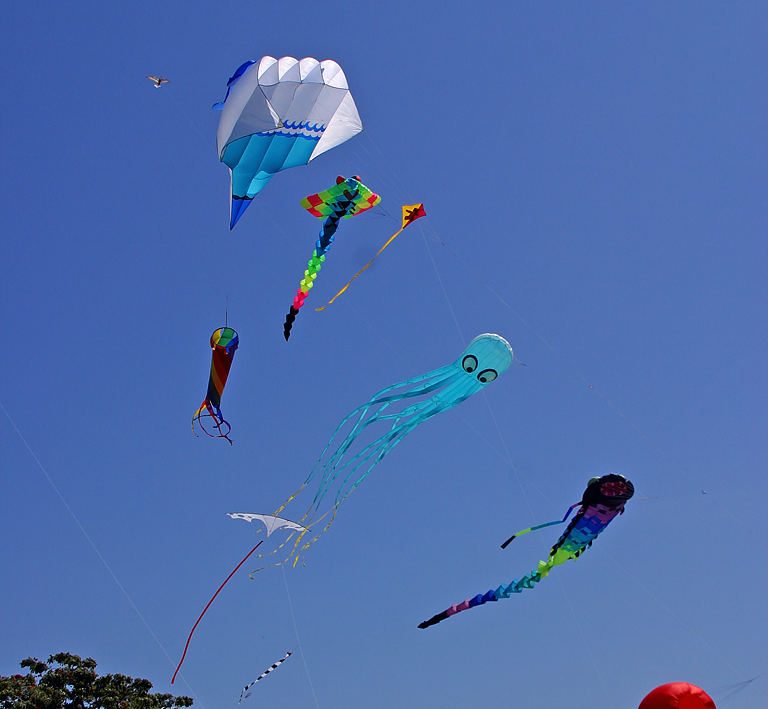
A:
(517, 586)
(322, 246)
(314, 265)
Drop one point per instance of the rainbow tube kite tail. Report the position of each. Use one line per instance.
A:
(347, 198)
(603, 500)
(224, 342)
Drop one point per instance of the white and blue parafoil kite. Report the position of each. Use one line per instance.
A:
(280, 113)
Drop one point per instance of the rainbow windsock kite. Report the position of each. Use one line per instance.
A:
(224, 342)
(603, 500)
(347, 198)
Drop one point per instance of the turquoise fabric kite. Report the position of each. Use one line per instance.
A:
(280, 113)
(399, 409)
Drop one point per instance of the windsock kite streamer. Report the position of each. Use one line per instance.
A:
(224, 342)
(603, 500)
(347, 198)
(411, 212)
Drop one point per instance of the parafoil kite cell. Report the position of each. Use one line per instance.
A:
(603, 500)
(280, 113)
(224, 343)
(344, 466)
(678, 695)
(347, 198)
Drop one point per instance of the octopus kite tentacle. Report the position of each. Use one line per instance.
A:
(602, 502)
(346, 461)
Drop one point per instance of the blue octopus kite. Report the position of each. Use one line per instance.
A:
(344, 467)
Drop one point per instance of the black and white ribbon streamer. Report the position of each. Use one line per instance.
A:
(245, 693)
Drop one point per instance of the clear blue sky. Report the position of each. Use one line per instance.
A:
(595, 177)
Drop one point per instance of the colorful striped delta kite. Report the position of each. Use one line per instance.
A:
(280, 113)
(411, 212)
(347, 198)
(603, 500)
(224, 342)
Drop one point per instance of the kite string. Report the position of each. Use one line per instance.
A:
(652, 591)
(92, 544)
(298, 638)
(507, 451)
(467, 265)
(208, 605)
(580, 626)
(612, 405)
(442, 286)
(576, 373)
(724, 694)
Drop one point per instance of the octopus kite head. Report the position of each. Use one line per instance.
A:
(486, 357)
(612, 490)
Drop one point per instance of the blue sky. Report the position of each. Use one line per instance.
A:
(595, 181)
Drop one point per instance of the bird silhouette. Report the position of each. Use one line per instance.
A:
(157, 80)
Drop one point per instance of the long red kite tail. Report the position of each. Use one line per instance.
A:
(207, 606)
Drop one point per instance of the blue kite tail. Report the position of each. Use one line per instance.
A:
(517, 586)
(541, 526)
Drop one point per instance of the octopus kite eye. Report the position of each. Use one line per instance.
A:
(487, 375)
(469, 363)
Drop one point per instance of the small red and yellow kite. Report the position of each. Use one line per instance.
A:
(411, 212)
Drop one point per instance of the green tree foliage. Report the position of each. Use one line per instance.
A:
(67, 681)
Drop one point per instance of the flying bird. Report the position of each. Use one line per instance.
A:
(157, 80)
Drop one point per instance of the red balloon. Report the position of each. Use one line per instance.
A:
(678, 695)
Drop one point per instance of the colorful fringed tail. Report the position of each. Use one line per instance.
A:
(348, 197)
(322, 246)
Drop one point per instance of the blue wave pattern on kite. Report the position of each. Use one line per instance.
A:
(278, 114)
(255, 159)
